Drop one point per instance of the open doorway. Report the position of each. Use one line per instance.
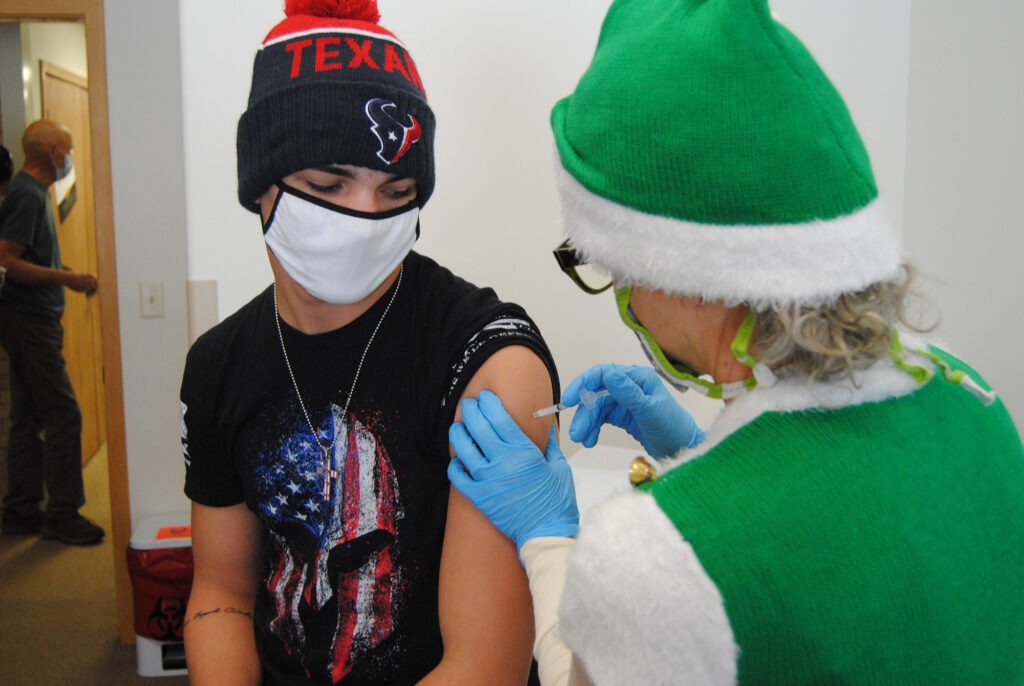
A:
(34, 85)
(77, 91)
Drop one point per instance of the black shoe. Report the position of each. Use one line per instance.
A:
(14, 524)
(76, 530)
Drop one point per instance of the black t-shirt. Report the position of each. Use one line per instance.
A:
(349, 592)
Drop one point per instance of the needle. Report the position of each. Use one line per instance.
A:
(587, 397)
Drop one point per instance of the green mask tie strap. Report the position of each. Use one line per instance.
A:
(897, 353)
(762, 375)
(921, 375)
(741, 344)
(962, 378)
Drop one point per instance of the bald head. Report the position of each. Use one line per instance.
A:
(46, 143)
(42, 135)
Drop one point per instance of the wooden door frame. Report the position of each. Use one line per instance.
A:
(90, 13)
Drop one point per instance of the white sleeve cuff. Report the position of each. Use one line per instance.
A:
(545, 559)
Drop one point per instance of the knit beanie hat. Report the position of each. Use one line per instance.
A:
(705, 153)
(332, 86)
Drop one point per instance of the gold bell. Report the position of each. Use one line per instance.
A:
(641, 471)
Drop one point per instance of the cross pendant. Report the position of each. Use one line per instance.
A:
(329, 476)
(329, 473)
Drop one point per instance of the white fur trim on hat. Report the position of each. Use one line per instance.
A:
(811, 263)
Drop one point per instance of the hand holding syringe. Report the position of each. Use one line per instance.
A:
(587, 397)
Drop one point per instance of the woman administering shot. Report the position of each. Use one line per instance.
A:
(856, 513)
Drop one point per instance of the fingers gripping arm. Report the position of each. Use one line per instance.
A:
(526, 493)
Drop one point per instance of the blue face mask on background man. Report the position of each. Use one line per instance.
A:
(65, 170)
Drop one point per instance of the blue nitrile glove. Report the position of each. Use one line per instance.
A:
(525, 493)
(638, 402)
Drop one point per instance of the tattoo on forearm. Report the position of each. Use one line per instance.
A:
(226, 610)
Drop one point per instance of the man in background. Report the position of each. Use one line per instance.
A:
(45, 446)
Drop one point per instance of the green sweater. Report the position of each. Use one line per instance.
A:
(880, 543)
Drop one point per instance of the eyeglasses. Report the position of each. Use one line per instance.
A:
(588, 278)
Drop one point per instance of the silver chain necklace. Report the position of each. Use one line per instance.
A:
(328, 468)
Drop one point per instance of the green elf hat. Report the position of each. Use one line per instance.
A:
(704, 152)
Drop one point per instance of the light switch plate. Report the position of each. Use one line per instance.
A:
(151, 298)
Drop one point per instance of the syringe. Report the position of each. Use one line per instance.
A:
(587, 397)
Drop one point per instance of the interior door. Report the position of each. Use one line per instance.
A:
(65, 99)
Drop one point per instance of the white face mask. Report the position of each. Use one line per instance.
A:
(338, 255)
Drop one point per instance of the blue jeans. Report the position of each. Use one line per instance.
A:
(45, 445)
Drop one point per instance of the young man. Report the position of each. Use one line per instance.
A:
(45, 448)
(314, 419)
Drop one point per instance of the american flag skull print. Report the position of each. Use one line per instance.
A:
(348, 568)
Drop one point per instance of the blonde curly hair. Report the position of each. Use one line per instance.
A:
(833, 341)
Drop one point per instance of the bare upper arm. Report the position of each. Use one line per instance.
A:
(226, 547)
(485, 608)
(220, 642)
(521, 379)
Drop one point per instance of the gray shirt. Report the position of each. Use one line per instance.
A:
(26, 217)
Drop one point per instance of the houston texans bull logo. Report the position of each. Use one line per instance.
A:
(395, 136)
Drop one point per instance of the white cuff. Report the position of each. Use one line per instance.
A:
(545, 559)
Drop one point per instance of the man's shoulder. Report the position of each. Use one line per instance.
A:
(25, 188)
(450, 298)
(24, 196)
(430, 274)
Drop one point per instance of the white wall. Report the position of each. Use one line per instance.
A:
(965, 175)
(225, 242)
(59, 43)
(144, 97)
(492, 71)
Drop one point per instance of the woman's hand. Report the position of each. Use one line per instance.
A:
(524, 492)
(637, 402)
